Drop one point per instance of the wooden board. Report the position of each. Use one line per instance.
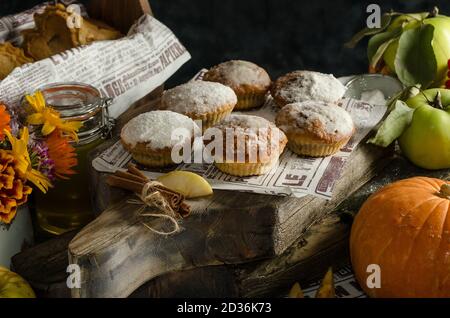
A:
(323, 244)
(117, 254)
(210, 281)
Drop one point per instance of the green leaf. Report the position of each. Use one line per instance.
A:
(394, 125)
(385, 21)
(415, 62)
(379, 39)
(379, 43)
(380, 52)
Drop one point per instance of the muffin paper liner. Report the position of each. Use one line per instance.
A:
(153, 161)
(250, 100)
(245, 169)
(211, 119)
(304, 147)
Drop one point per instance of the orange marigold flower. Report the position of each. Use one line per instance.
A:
(23, 162)
(62, 153)
(5, 120)
(13, 189)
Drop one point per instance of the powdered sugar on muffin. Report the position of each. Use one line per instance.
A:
(253, 136)
(300, 86)
(245, 145)
(326, 120)
(315, 128)
(246, 121)
(253, 126)
(249, 81)
(198, 97)
(158, 129)
(236, 72)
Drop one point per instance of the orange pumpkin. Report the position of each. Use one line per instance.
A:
(404, 228)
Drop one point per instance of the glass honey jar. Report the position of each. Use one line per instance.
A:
(67, 206)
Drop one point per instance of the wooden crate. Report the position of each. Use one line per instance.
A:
(121, 14)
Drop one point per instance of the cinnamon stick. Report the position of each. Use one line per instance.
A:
(184, 210)
(135, 171)
(124, 183)
(131, 176)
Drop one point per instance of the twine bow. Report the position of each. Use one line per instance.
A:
(151, 198)
(152, 195)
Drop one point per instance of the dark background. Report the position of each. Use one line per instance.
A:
(280, 35)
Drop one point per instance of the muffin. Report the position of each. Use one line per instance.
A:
(200, 100)
(301, 86)
(150, 137)
(251, 145)
(249, 81)
(315, 128)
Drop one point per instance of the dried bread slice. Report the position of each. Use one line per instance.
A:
(52, 35)
(10, 58)
(94, 30)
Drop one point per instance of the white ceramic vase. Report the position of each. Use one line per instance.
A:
(12, 238)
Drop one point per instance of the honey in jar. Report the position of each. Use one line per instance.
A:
(67, 206)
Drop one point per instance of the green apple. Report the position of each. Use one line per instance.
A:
(426, 141)
(428, 97)
(14, 286)
(440, 44)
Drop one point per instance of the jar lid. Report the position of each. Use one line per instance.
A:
(80, 102)
(72, 99)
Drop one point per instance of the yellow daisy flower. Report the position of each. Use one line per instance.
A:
(49, 118)
(20, 152)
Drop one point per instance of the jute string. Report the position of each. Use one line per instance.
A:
(154, 200)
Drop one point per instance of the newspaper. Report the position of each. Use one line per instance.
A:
(126, 69)
(293, 176)
(345, 285)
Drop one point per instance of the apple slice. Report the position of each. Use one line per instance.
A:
(189, 184)
(14, 286)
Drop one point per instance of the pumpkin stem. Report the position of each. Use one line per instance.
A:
(437, 103)
(445, 190)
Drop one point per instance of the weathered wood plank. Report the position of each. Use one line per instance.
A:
(44, 266)
(209, 281)
(365, 163)
(118, 254)
(322, 245)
